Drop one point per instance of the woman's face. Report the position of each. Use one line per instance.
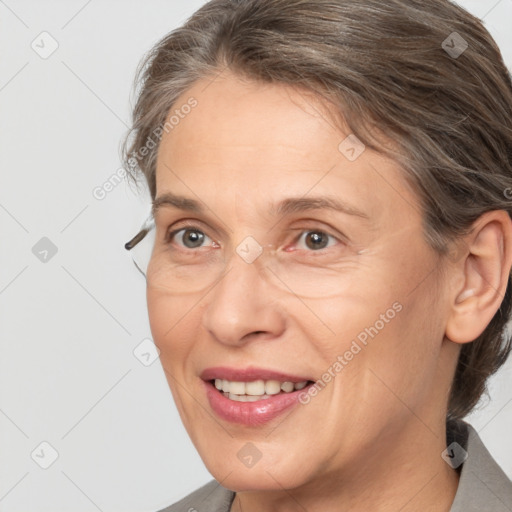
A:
(314, 292)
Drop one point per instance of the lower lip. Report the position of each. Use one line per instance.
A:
(251, 414)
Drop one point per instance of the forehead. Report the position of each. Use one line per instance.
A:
(265, 141)
(247, 116)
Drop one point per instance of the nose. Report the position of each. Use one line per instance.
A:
(242, 305)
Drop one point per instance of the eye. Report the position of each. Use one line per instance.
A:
(316, 239)
(189, 237)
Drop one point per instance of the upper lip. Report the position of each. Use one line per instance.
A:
(249, 374)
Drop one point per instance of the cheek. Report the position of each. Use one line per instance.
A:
(361, 315)
(158, 313)
(171, 325)
(383, 334)
(402, 359)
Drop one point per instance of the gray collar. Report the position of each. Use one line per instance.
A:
(483, 486)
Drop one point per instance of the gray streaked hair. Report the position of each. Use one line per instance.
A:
(387, 69)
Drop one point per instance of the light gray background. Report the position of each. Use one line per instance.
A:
(68, 327)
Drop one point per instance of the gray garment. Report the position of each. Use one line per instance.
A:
(483, 486)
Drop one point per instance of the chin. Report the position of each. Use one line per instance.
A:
(263, 476)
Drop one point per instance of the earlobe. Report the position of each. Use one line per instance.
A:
(486, 270)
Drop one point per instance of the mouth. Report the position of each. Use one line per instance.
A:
(252, 396)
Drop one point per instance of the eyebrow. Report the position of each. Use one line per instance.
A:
(285, 207)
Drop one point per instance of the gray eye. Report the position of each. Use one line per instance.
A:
(191, 238)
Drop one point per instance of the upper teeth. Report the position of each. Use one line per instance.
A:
(257, 387)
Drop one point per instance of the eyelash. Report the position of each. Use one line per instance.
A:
(170, 236)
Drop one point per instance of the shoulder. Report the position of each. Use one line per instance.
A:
(216, 497)
(482, 485)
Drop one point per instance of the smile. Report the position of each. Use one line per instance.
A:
(251, 396)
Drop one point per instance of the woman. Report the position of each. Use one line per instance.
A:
(329, 283)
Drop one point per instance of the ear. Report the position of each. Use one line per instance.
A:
(484, 271)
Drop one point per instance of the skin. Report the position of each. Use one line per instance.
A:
(372, 438)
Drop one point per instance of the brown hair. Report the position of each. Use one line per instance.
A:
(425, 72)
